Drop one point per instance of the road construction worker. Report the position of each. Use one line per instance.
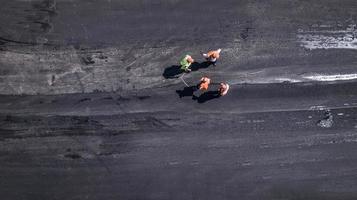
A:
(212, 56)
(223, 89)
(186, 62)
(205, 81)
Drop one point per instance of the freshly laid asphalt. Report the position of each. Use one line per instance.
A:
(92, 106)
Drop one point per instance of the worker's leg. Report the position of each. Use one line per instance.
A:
(213, 61)
(185, 69)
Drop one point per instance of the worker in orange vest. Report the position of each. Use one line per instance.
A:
(212, 56)
(223, 89)
(205, 81)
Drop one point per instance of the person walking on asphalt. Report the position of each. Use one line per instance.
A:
(212, 56)
(186, 63)
(223, 89)
(203, 85)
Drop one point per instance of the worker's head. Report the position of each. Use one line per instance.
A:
(190, 59)
(215, 55)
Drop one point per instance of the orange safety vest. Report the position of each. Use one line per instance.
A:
(213, 54)
(204, 83)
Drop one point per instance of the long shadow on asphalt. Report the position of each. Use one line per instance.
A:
(172, 72)
(196, 66)
(175, 70)
(204, 97)
(187, 91)
(207, 96)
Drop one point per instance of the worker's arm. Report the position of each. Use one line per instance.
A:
(209, 54)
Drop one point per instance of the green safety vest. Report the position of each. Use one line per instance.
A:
(184, 63)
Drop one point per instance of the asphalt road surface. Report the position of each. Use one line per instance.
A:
(92, 105)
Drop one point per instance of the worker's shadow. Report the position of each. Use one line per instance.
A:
(172, 72)
(187, 91)
(206, 96)
(197, 66)
(175, 70)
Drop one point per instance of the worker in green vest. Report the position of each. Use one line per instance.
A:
(186, 62)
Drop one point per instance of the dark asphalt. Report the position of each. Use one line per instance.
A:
(89, 110)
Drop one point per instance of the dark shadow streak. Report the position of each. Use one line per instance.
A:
(175, 70)
(196, 66)
(187, 91)
(207, 96)
(172, 72)
(20, 42)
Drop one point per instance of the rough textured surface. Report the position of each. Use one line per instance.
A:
(90, 103)
(56, 47)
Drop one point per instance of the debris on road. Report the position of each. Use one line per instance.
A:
(327, 121)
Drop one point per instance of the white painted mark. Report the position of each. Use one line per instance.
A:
(287, 80)
(336, 77)
(256, 72)
(310, 41)
(329, 39)
(317, 108)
